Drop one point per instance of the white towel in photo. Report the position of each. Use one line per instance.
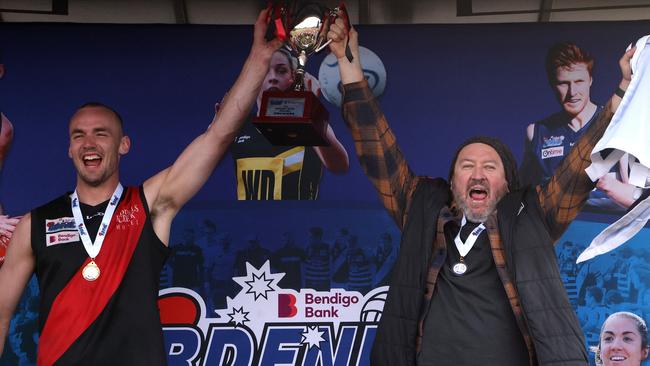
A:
(628, 132)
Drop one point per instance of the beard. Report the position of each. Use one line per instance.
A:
(461, 200)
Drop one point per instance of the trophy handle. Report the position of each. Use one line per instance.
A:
(276, 19)
(279, 16)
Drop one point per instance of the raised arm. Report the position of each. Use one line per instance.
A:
(14, 274)
(567, 191)
(170, 189)
(379, 155)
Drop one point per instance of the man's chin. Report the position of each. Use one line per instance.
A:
(93, 181)
(476, 216)
(573, 109)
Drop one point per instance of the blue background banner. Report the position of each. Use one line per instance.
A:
(445, 83)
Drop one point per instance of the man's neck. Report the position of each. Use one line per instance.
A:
(583, 117)
(92, 196)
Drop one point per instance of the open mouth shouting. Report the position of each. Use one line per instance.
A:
(478, 193)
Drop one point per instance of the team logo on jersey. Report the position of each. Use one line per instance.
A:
(553, 141)
(127, 217)
(552, 152)
(60, 231)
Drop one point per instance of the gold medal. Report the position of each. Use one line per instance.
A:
(90, 271)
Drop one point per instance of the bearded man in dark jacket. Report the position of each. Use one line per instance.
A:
(477, 279)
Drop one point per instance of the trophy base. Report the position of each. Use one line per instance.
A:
(292, 118)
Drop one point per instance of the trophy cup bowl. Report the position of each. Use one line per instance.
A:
(297, 117)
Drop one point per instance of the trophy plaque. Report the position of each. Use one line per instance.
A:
(297, 117)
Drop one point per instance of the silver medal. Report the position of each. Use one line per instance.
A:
(459, 268)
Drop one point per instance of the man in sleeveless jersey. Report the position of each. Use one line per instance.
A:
(268, 172)
(99, 300)
(548, 141)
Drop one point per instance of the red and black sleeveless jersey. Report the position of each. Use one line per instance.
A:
(113, 320)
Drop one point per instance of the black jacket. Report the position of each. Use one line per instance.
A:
(532, 267)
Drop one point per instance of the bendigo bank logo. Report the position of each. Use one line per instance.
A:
(314, 305)
(287, 306)
(309, 328)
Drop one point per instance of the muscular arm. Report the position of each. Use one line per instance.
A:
(567, 191)
(14, 274)
(170, 189)
(379, 155)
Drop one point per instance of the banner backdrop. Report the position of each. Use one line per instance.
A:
(295, 282)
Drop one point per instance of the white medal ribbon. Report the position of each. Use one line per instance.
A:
(93, 248)
(465, 247)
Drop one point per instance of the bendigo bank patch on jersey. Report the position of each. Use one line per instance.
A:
(60, 231)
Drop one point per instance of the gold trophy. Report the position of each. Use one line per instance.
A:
(297, 117)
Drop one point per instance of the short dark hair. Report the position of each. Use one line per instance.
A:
(565, 54)
(102, 105)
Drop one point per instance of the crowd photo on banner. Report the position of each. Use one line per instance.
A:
(223, 248)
